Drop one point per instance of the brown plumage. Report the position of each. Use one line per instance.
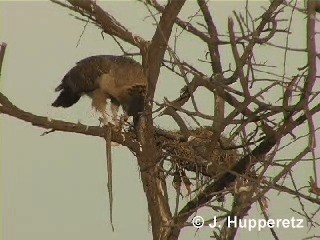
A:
(103, 77)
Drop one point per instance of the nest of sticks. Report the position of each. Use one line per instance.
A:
(202, 152)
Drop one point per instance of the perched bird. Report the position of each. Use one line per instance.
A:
(102, 77)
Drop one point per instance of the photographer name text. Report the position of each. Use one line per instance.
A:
(250, 224)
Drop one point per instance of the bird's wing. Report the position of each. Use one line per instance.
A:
(123, 71)
(116, 76)
(82, 78)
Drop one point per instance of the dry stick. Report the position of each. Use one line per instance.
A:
(294, 193)
(109, 170)
(2, 51)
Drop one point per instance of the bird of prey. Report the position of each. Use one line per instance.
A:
(102, 77)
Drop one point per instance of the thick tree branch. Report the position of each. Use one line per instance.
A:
(159, 42)
(152, 176)
(10, 109)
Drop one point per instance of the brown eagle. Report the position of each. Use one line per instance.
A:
(102, 77)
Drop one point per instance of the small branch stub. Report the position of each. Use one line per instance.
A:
(2, 51)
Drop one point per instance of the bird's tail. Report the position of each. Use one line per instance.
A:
(66, 97)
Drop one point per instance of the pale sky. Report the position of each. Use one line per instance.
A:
(55, 186)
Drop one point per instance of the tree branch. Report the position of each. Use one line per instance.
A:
(159, 42)
(240, 167)
(2, 52)
(10, 109)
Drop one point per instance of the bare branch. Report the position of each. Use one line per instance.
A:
(8, 108)
(159, 43)
(2, 52)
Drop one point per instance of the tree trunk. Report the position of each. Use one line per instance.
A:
(154, 183)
